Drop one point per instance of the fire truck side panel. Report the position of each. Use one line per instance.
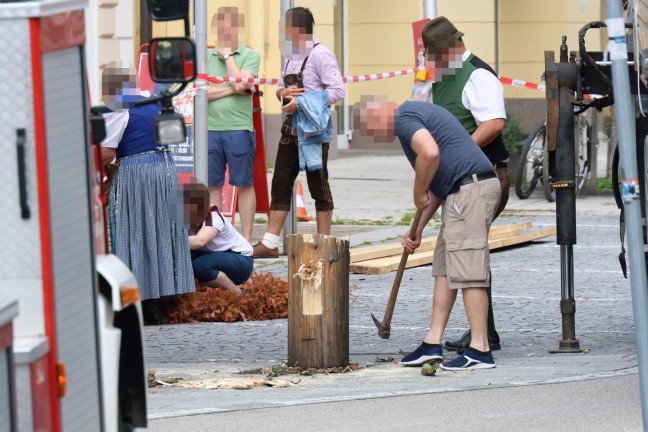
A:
(8, 311)
(72, 237)
(20, 264)
(6, 380)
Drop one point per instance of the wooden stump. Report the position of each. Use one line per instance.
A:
(318, 301)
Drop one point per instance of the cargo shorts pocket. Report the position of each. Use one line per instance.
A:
(467, 259)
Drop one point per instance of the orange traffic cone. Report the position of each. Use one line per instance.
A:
(300, 207)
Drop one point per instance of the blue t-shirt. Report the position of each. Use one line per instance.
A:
(459, 155)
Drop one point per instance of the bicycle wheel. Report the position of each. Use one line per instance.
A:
(616, 185)
(529, 170)
(549, 192)
(583, 169)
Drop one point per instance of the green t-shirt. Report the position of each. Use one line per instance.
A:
(233, 112)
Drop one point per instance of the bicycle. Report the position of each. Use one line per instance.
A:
(533, 166)
(584, 152)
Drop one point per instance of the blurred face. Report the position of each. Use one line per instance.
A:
(375, 118)
(443, 58)
(195, 202)
(228, 26)
(119, 87)
(294, 41)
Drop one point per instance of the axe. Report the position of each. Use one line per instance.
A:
(384, 328)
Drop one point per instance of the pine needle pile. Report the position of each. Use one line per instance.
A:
(264, 297)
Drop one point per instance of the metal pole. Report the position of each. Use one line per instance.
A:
(624, 114)
(429, 9)
(290, 224)
(200, 101)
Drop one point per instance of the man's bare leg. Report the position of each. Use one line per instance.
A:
(247, 209)
(276, 221)
(442, 303)
(216, 196)
(476, 304)
(324, 219)
(268, 247)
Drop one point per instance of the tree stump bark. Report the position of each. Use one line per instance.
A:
(318, 301)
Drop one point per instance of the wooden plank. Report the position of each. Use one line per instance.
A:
(510, 228)
(389, 264)
(523, 238)
(386, 250)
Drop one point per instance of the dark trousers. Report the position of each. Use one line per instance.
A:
(285, 173)
(208, 265)
(504, 176)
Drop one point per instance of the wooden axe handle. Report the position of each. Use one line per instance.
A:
(399, 274)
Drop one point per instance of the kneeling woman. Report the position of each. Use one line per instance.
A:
(220, 256)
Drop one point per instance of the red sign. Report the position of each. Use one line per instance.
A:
(144, 81)
(229, 197)
(260, 176)
(419, 48)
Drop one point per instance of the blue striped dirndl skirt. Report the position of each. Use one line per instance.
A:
(143, 230)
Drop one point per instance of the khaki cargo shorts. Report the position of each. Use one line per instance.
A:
(461, 252)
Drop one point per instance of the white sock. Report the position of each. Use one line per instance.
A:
(271, 241)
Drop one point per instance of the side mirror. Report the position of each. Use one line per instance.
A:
(168, 10)
(172, 60)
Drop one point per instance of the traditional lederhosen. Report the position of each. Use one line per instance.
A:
(287, 162)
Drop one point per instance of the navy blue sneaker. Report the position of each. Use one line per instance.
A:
(470, 360)
(424, 353)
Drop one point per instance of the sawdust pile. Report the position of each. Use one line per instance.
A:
(264, 297)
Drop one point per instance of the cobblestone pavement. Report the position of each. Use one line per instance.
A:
(526, 295)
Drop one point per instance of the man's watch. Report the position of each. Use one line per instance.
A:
(226, 56)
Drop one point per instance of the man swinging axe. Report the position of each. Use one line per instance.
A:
(472, 92)
(450, 171)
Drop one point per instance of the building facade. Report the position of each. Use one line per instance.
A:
(373, 36)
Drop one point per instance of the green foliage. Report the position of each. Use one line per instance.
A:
(277, 371)
(513, 133)
(604, 184)
(407, 218)
(387, 220)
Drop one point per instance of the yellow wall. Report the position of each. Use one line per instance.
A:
(261, 33)
(528, 28)
(380, 36)
(476, 19)
(380, 40)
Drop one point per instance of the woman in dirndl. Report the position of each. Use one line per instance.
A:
(145, 232)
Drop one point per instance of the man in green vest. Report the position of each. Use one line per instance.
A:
(472, 92)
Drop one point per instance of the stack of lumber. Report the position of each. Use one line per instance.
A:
(385, 258)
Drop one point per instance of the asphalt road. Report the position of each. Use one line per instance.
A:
(609, 404)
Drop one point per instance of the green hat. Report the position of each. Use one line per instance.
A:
(439, 33)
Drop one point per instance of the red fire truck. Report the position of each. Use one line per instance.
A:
(70, 316)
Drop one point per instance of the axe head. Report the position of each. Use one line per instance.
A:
(383, 330)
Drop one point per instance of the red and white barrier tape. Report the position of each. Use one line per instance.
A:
(274, 81)
(350, 79)
(523, 84)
